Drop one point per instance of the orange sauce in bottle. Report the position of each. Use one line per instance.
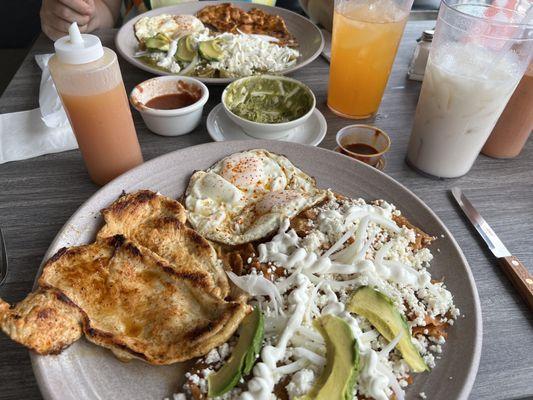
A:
(104, 129)
(88, 79)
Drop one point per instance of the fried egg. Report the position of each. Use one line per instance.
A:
(245, 196)
(170, 25)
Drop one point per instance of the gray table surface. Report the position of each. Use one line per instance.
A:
(37, 196)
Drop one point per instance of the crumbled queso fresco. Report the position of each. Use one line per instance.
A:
(350, 244)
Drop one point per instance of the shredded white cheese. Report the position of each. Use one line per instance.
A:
(247, 54)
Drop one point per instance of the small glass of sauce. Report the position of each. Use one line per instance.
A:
(365, 143)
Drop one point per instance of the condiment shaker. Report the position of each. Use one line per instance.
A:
(417, 66)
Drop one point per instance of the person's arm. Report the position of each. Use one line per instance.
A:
(57, 15)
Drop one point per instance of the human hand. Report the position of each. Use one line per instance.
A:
(58, 15)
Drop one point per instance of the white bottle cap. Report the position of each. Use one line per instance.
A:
(77, 48)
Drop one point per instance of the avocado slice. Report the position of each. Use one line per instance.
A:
(243, 357)
(381, 312)
(210, 50)
(158, 42)
(186, 49)
(337, 381)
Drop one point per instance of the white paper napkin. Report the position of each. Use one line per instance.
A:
(49, 102)
(43, 130)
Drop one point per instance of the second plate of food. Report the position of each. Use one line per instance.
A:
(219, 42)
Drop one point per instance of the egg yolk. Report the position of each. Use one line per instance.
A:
(275, 199)
(247, 173)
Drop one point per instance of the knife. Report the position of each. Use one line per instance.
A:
(511, 266)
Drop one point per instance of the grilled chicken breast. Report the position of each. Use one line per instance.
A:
(149, 288)
(126, 298)
(136, 304)
(45, 321)
(158, 223)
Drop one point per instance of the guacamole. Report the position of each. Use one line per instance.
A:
(268, 99)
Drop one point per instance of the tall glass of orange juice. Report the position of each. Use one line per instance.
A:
(366, 34)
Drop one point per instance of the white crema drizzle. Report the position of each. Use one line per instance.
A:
(284, 250)
(311, 271)
(260, 387)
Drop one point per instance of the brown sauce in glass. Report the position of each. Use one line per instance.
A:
(172, 101)
(361, 148)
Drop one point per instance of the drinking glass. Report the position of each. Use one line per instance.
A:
(479, 53)
(366, 34)
(512, 130)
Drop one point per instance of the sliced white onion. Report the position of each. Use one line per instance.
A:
(380, 254)
(141, 53)
(191, 66)
(302, 352)
(315, 280)
(311, 334)
(338, 285)
(292, 367)
(275, 324)
(394, 385)
(361, 255)
(346, 255)
(384, 222)
(338, 244)
(311, 305)
(258, 285)
(389, 347)
(342, 269)
(353, 215)
(288, 282)
(301, 341)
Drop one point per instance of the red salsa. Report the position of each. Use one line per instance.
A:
(172, 101)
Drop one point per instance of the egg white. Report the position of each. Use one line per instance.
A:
(245, 196)
(170, 25)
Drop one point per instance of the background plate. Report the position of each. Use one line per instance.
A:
(85, 371)
(307, 34)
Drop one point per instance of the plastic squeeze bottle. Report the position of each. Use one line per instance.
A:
(87, 77)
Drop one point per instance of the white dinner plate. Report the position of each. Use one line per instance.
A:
(222, 128)
(307, 34)
(85, 371)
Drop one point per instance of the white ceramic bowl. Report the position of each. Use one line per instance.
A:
(262, 130)
(168, 122)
